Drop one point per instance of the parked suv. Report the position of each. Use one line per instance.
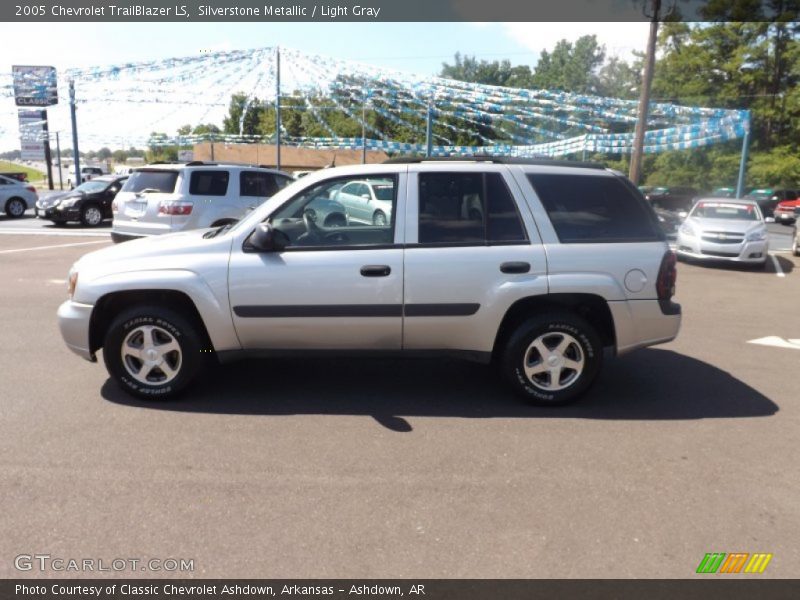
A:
(165, 198)
(539, 266)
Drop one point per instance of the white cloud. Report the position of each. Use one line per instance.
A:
(620, 39)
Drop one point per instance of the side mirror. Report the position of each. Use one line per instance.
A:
(266, 239)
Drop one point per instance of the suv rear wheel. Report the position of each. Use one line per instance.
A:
(552, 359)
(152, 352)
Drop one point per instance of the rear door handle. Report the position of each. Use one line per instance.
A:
(515, 267)
(375, 270)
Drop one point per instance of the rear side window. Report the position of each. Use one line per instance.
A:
(467, 208)
(255, 183)
(158, 181)
(591, 209)
(209, 183)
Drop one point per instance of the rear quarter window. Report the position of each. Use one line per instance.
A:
(209, 183)
(595, 209)
(158, 180)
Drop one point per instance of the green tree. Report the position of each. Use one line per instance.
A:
(244, 115)
(570, 67)
(468, 68)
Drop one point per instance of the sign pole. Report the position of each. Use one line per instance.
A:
(48, 158)
(58, 153)
(75, 154)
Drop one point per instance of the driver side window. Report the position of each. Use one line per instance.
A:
(333, 214)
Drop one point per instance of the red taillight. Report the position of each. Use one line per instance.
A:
(175, 208)
(30, 188)
(667, 275)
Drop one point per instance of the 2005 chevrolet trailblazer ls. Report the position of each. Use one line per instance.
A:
(538, 265)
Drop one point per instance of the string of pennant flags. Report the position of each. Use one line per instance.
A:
(128, 100)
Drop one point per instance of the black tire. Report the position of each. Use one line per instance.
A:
(584, 348)
(91, 215)
(379, 219)
(15, 208)
(169, 327)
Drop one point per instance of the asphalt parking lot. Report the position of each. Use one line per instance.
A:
(407, 468)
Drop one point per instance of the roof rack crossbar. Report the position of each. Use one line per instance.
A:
(500, 160)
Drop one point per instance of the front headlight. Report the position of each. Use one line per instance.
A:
(687, 229)
(757, 236)
(72, 283)
(69, 203)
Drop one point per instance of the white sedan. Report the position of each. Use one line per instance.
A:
(724, 230)
(16, 197)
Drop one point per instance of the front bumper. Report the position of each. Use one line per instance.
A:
(58, 214)
(743, 252)
(73, 321)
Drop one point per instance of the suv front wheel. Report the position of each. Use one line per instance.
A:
(552, 359)
(152, 352)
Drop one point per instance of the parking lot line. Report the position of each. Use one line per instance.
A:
(10, 231)
(778, 271)
(51, 247)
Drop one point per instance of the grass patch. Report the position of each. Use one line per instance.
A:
(33, 174)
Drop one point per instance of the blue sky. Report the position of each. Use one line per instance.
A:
(418, 48)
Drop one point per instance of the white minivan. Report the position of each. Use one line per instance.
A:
(171, 197)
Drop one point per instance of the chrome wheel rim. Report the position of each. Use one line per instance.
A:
(93, 216)
(554, 361)
(151, 355)
(380, 220)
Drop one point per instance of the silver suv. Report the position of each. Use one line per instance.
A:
(170, 197)
(539, 266)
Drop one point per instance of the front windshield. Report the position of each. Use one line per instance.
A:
(726, 210)
(92, 186)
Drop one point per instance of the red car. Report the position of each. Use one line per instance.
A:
(784, 212)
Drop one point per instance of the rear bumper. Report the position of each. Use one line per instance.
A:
(642, 323)
(73, 321)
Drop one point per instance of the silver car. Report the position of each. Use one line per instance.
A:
(16, 197)
(724, 230)
(368, 201)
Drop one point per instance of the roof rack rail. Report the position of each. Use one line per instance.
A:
(500, 160)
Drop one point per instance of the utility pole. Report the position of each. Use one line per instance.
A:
(75, 155)
(644, 98)
(277, 108)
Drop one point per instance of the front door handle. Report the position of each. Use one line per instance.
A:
(515, 267)
(375, 270)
